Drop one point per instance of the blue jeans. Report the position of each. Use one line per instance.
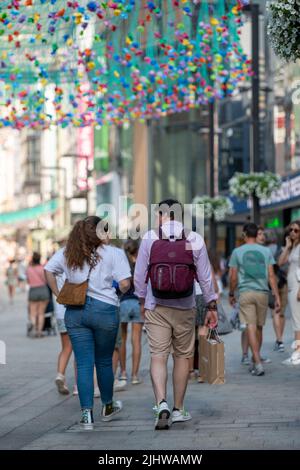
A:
(93, 330)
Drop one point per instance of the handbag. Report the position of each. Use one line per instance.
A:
(235, 318)
(224, 325)
(74, 294)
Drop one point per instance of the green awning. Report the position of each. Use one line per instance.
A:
(30, 213)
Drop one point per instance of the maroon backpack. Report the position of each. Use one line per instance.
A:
(171, 268)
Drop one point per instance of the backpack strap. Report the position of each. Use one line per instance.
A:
(160, 237)
(172, 237)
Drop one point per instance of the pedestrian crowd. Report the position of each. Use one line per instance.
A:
(167, 285)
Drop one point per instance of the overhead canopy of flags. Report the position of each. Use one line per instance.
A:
(88, 62)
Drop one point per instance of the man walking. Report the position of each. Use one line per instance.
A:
(251, 270)
(168, 263)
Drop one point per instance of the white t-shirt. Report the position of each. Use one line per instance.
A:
(112, 266)
(59, 309)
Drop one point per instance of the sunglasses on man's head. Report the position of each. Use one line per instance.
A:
(295, 230)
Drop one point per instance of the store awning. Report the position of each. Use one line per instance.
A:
(30, 213)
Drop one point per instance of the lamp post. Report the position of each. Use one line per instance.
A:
(255, 166)
(212, 189)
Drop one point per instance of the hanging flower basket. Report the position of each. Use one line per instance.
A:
(284, 28)
(261, 184)
(217, 207)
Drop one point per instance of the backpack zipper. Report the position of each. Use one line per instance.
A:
(160, 273)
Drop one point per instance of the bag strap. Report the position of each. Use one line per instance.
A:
(90, 270)
(216, 334)
(88, 278)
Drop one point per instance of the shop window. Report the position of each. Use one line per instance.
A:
(33, 163)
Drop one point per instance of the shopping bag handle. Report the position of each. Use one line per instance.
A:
(216, 333)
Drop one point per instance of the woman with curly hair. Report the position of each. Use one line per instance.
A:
(93, 327)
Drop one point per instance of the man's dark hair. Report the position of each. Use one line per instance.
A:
(176, 212)
(250, 230)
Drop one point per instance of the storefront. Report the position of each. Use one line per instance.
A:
(277, 212)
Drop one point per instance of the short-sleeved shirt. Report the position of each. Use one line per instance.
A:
(252, 262)
(36, 276)
(113, 265)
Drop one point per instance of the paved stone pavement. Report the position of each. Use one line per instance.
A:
(245, 413)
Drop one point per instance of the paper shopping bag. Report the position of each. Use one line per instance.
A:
(212, 359)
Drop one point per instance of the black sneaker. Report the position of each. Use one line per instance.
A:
(87, 420)
(279, 346)
(109, 411)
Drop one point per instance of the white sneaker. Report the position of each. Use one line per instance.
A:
(295, 357)
(61, 386)
(162, 416)
(87, 420)
(294, 360)
(120, 385)
(265, 360)
(179, 416)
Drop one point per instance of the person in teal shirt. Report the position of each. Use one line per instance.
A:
(252, 261)
(251, 272)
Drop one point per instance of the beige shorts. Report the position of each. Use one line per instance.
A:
(171, 330)
(253, 307)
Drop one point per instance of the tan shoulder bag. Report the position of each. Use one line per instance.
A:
(74, 294)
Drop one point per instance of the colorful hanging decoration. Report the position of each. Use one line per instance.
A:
(92, 62)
